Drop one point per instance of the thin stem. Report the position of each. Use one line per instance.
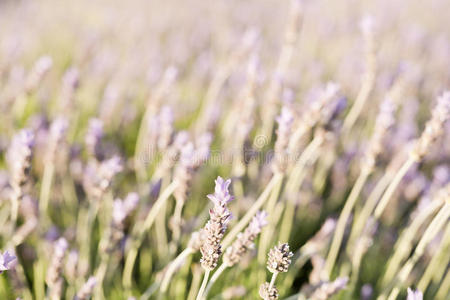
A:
(141, 230)
(157, 206)
(15, 208)
(430, 233)
(176, 233)
(369, 206)
(203, 286)
(266, 234)
(444, 288)
(405, 242)
(45, 188)
(298, 174)
(195, 283)
(272, 281)
(160, 224)
(343, 218)
(252, 211)
(440, 258)
(214, 278)
(100, 275)
(173, 266)
(393, 186)
(366, 87)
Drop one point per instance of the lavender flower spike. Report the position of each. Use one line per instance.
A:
(221, 194)
(19, 157)
(216, 226)
(414, 295)
(86, 290)
(6, 260)
(285, 121)
(245, 239)
(93, 136)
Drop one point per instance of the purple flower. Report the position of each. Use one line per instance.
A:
(414, 295)
(58, 129)
(285, 119)
(5, 261)
(221, 194)
(93, 135)
(121, 209)
(258, 222)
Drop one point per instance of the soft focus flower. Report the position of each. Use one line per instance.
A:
(414, 294)
(6, 260)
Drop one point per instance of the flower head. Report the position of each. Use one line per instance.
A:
(268, 293)
(244, 240)
(93, 136)
(6, 260)
(221, 194)
(86, 290)
(434, 128)
(19, 156)
(217, 224)
(327, 289)
(414, 295)
(279, 258)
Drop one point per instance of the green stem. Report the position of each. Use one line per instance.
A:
(444, 288)
(141, 230)
(430, 233)
(266, 235)
(440, 258)
(343, 218)
(272, 281)
(393, 186)
(214, 278)
(173, 266)
(100, 275)
(369, 206)
(405, 242)
(45, 189)
(203, 286)
(298, 174)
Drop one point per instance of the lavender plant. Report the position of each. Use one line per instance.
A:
(116, 117)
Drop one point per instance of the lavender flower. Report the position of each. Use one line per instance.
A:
(19, 156)
(121, 210)
(93, 137)
(6, 261)
(54, 274)
(184, 172)
(434, 127)
(98, 176)
(244, 241)
(196, 240)
(367, 25)
(40, 69)
(70, 83)
(414, 295)
(57, 133)
(202, 151)
(384, 121)
(86, 290)
(71, 265)
(172, 154)
(327, 289)
(166, 129)
(285, 121)
(216, 226)
(279, 258)
(268, 292)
